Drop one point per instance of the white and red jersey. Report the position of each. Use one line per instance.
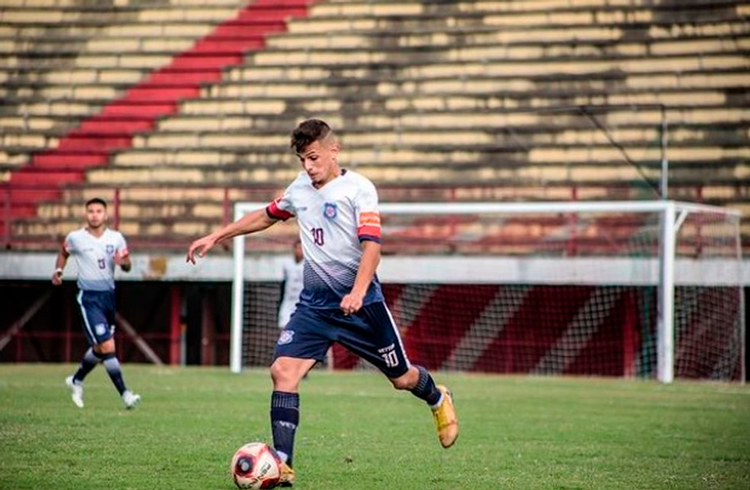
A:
(333, 221)
(95, 257)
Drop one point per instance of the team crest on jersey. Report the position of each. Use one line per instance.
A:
(110, 249)
(330, 210)
(286, 337)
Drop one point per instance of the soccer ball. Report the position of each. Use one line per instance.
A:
(256, 465)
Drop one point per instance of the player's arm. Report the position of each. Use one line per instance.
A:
(122, 254)
(122, 258)
(60, 261)
(250, 223)
(368, 264)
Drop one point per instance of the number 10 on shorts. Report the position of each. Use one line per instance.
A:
(389, 356)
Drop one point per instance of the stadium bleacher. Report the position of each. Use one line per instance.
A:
(175, 109)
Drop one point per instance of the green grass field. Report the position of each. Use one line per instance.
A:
(358, 433)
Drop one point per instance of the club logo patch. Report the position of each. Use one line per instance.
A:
(286, 337)
(330, 210)
(110, 249)
(100, 329)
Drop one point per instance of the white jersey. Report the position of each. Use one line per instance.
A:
(333, 221)
(293, 284)
(95, 257)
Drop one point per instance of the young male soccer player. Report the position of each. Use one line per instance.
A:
(342, 301)
(97, 250)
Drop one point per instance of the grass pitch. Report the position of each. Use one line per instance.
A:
(358, 433)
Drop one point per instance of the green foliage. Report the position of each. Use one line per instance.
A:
(357, 433)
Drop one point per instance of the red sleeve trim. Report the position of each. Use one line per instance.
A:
(372, 231)
(275, 212)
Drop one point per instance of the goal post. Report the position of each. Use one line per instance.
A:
(617, 288)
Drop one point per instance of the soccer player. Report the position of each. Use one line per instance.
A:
(97, 250)
(292, 285)
(342, 301)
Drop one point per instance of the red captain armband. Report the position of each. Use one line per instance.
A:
(124, 252)
(274, 211)
(369, 227)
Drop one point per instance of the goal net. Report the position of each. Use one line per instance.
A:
(648, 289)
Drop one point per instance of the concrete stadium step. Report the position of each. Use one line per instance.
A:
(325, 95)
(552, 125)
(622, 69)
(401, 7)
(395, 120)
(425, 138)
(499, 66)
(364, 76)
(130, 3)
(181, 202)
(498, 170)
(522, 138)
(415, 16)
(405, 130)
(124, 44)
(151, 37)
(125, 29)
(510, 36)
(549, 40)
(185, 230)
(239, 98)
(540, 52)
(103, 14)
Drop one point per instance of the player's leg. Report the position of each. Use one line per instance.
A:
(301, 344)
(90, 315)
(419, 381)
(88, 363)
(378, 341)
(75, 382)
(106, 350)
(105, 347)
(286, 373)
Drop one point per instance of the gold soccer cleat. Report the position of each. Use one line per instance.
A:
(287, 476)
(445, 419)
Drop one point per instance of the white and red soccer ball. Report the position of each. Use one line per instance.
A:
(256, 465)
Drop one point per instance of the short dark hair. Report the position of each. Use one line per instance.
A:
(308, 132)
(96, 200)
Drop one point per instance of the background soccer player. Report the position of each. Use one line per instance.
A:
(342, 301)
(292, 285)
(97, 250)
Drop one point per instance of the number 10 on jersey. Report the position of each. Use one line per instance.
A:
(317, 235)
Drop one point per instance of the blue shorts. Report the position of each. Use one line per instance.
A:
(370, 333)
(98, 313)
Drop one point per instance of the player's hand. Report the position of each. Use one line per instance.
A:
(351, 303)
(120, 256)
(57, 277)
(201, 246)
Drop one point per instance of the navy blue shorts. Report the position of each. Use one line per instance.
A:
(98, 312)
(370, 333)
